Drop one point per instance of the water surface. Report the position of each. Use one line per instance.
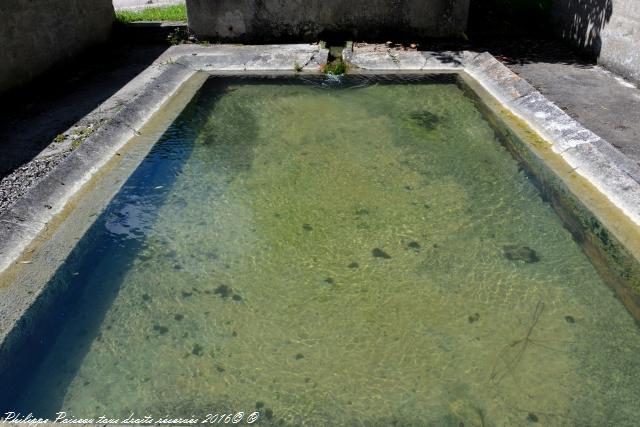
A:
(363, 253)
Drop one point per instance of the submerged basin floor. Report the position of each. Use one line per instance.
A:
(335, 254)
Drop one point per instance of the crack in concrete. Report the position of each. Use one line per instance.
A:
(313, 55)
(426, 60)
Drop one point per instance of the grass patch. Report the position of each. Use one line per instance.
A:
(336, 67)
(167, 13)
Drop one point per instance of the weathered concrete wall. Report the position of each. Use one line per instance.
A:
(36, 34)
(607, 29)
(265, 21)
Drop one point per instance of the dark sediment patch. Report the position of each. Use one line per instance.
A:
(160, 329)
(197, 350)
(379, 253)
(520, 253)
(425, 119)
(180, 203)
(414, 246)
(223, 291)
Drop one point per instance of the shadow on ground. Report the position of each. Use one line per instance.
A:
(582, 21)
(516, 50)
(33, 115)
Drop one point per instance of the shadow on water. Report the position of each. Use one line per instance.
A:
(71, 312)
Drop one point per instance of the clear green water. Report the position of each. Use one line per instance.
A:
(356, 254)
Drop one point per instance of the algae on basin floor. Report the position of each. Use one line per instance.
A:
(356, 254)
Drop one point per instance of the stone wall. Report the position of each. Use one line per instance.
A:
(606, 29)
(266, 21)
(36, 34)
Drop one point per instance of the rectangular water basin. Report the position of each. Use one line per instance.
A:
(355, 251)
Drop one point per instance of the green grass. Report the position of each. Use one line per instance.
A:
(167, 13)
(335, 67)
